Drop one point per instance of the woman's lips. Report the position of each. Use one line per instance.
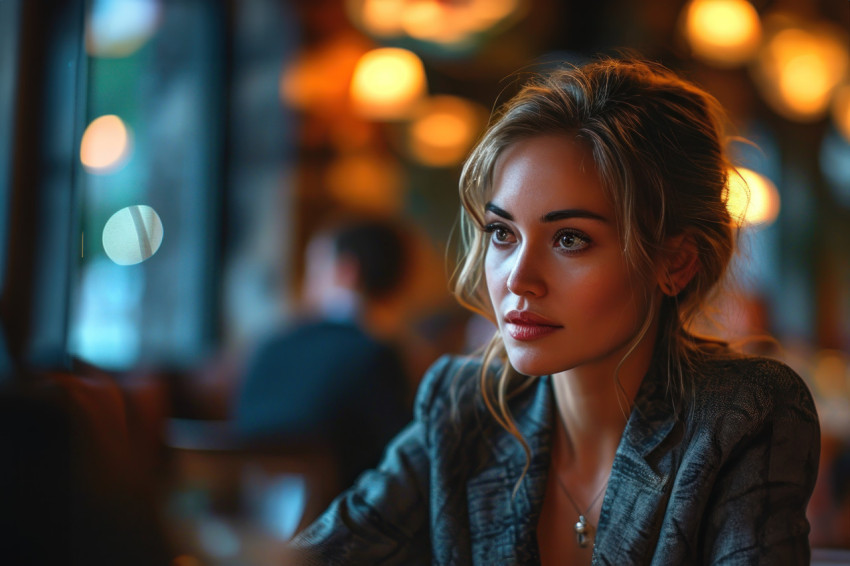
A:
(525, 326)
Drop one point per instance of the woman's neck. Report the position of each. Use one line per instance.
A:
(594, 404)
(590, 424)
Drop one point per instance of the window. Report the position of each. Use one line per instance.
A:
(8, 69)
(149, 183)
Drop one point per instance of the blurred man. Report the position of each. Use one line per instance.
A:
(327, 377)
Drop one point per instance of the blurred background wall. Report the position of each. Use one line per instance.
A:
(164, 162)
(236, 127)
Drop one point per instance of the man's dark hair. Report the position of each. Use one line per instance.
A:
(380, 250)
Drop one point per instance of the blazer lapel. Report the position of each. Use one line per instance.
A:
(503, 525)
(503, 528)
(639, 486)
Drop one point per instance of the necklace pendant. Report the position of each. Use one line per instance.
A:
(583, 532)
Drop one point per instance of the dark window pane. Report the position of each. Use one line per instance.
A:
(9, 14)
(150, 175)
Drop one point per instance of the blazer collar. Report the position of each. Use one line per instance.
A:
(639, 486)
(503, 525)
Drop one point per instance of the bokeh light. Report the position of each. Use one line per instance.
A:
(106, 144)
(387, 84)
(118, 28)
(831, 373)
(318, 80)
(800, 67)
(426, 19)
(725, 33)
(439, 22)
(367, 182)
(132, 235)
(444, 129)
(752, 198)
(379, 18)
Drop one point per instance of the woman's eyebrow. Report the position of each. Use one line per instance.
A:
(498, 211)
(572, 213)
(553, 216)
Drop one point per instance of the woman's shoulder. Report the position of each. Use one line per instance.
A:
(757, 387)
(450, 381)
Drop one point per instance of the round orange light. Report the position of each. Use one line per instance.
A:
(387, 84)
(366, 181)
(435, 21)
(105, 144)
(752, 198)
(725, 33)
(444, 130)
(380, 18)
(800, 68)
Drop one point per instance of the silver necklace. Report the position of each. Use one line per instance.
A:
(584, 530)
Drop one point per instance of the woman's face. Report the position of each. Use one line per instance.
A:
(563, 294)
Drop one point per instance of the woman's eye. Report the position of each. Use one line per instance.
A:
(499, 234)
(571, 241)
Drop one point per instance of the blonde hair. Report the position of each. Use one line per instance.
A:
(657, 143)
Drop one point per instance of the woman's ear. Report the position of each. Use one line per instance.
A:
(678, 264)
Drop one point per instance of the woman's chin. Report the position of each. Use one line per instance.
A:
(532, 367)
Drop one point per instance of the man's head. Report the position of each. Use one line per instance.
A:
(354, 261)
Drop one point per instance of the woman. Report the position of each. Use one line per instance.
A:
(596, 427)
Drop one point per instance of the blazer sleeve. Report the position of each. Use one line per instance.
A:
(384, 517)
(757, 511)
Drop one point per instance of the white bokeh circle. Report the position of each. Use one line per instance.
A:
(132, 235)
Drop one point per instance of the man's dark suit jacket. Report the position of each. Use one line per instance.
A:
(328, 381)
(724, 478)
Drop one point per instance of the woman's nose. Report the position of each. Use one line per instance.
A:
(526, 277)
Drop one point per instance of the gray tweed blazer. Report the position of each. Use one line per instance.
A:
(723, 479)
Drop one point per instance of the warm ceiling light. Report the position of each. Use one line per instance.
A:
(387, 84)
(318, 80)
(752, 198)
(105, 144)
(379, 18)
(803, 82)
(725, 33)
(800, 68)
(366, 182)
(444, 130)
(426, 19)
(486, 13)
(450, 24)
